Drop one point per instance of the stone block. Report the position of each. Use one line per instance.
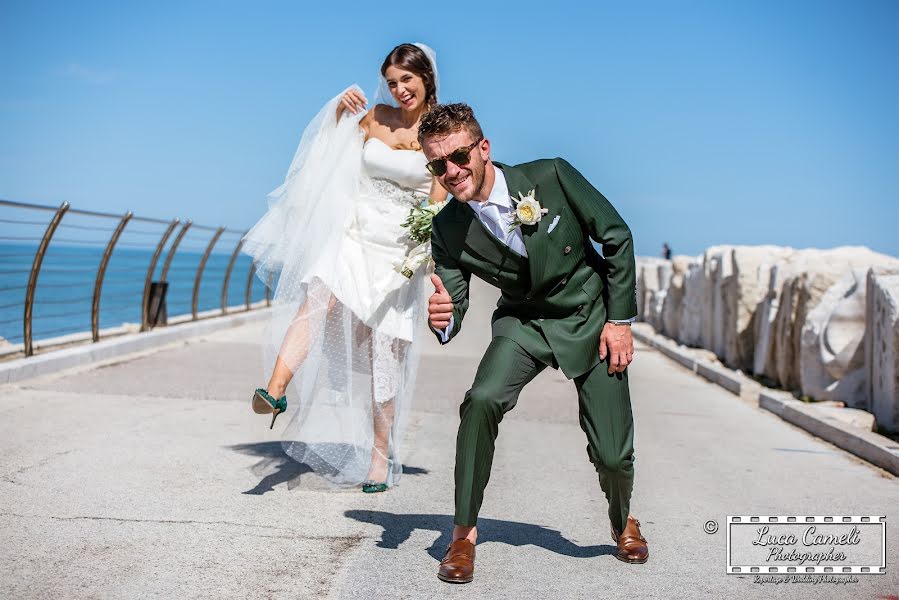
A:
(831, 353)
(691, 311)
(882, 349)
(648, 283)
(742, 291)
(674, 298)
(796, 286)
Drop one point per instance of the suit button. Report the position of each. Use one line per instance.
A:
(567, 250)
(564, 282)
(581, 307)
(528, 297)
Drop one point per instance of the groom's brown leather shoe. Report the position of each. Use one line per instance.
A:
(632, 546)
(458, 564)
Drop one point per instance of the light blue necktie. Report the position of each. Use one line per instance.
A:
(499, 225)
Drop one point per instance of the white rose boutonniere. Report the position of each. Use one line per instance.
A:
(527, 211)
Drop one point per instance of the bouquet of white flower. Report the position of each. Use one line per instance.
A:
(419, 225)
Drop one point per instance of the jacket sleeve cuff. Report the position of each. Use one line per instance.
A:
(445, 333)
(617, 321)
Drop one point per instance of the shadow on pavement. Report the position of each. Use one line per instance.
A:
(407, 470)
(398, 527)
(276, 467)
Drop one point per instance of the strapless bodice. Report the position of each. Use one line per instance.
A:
(405, 168)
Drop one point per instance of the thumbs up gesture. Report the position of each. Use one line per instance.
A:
(440, 305)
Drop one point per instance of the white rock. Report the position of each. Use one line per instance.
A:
(690, 322)
(664, 271)
(656, 299)
(798, 317)
(804, 278)
(850, 416)
(672, 306)
(831, 355)
(882, 349)
(763, 353)
(721, 300)
(741, 294)
(654, 303)
(716, 267)
(648, 282)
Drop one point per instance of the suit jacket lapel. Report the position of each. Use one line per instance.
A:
(477, 237)
(533, 235)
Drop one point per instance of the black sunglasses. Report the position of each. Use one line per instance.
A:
(458, 157)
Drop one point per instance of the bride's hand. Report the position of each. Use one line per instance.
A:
(353, 100)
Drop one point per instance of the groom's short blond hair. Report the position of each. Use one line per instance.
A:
(445, 119)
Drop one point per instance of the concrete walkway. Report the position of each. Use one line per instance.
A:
(151, 478)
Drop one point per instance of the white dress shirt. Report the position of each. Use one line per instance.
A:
(496, 212)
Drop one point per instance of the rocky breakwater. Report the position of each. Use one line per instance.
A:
(821, 323)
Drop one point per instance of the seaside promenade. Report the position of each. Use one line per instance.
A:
(149, 477)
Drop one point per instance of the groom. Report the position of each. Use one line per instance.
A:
(562, 306)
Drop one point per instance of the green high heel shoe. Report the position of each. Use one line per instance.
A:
(264, 403)
(374, 487)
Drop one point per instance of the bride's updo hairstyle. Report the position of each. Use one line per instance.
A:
(412, 58)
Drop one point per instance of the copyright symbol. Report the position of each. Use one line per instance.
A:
(710, 526)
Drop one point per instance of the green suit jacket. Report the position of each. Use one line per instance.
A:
(564, 292)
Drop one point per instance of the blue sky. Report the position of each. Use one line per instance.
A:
(703, 122)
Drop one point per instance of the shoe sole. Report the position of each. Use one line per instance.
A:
(261, 406)
(632, 561)
(456, 580)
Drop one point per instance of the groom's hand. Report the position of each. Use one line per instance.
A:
(616, 342)
(440, 305)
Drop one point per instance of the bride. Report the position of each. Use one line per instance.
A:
(344, 325)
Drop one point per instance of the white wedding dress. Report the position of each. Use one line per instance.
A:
(344, 319)
(366, 279)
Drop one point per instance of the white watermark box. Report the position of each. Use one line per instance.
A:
(835, 545)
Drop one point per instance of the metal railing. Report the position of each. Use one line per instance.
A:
(65, 254)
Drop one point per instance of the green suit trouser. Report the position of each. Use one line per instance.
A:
(605, 416)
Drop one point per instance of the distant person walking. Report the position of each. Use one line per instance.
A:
(666, 251)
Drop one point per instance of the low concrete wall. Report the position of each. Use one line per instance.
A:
(67, 358)
(842, 427)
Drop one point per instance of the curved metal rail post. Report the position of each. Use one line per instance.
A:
(196, 297)
(228, 274)
(144, 316)
(35, 271)
(171, 255)
(250, 284)
(101, 272)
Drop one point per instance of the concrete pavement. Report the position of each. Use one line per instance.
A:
(150, 477)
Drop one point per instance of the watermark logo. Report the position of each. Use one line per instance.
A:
(802, 545)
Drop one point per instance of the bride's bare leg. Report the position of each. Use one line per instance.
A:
(383, 415)
(281, 376)
(295, 346)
